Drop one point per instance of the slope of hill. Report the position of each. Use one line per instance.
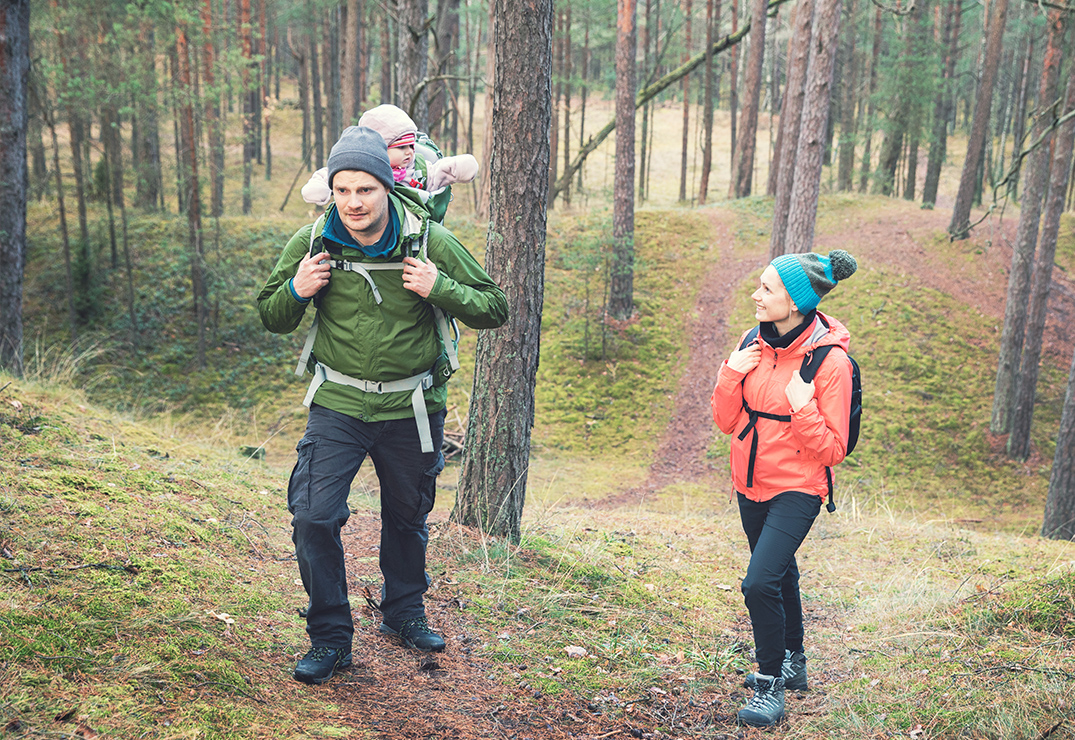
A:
(150, 589)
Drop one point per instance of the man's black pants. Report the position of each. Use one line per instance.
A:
(329, 456)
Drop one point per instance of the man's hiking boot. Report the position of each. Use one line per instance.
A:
(321, 663)
(793, 671)
(766, 707)
(416, 634)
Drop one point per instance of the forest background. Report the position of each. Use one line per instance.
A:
(164, 146)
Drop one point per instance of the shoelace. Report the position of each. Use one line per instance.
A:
(419, 624)
(319, 653)
(763, 699)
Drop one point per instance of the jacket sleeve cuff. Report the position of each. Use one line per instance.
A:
(296, 296)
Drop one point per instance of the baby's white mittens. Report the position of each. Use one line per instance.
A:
(449, 170)
(317, 191)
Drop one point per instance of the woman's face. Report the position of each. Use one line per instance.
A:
(771, 299)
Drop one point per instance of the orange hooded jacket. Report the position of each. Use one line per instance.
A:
(790, 456)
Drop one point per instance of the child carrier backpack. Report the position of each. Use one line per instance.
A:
(438, 375)
(807, 371)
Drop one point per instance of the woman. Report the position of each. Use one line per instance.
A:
(787, 433)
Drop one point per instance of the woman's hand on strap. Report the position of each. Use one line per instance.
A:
(746, 359)
(798, 391)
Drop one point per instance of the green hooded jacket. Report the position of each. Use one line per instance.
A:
(395, 339)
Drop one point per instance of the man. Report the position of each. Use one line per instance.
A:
(383, 276)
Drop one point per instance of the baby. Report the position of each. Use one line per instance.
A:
(414, 163)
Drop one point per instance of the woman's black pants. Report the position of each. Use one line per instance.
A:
(775, 529)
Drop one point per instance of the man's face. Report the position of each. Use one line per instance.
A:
(362, 202)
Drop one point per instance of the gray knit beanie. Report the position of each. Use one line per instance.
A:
(361, 149)
(810, 276)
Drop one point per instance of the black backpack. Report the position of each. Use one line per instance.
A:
(808, 370)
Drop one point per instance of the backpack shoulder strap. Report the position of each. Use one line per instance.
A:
(750, 337)
(813, 361)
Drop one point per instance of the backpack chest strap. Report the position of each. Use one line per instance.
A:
(752, 427)
(363, 269)
(416, 383)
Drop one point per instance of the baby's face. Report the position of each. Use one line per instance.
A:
(400, 157)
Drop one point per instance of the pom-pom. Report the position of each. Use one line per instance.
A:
(843, 264)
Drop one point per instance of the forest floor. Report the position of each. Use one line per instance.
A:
(397, 693)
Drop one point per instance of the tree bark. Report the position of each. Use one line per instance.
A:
(707, 99)
(846, 156)
(959, 228)
(492, 481)
(864, 175)
(249, 133)
(621, 280)
(568, 90)
(213, 122)
(414, 60)
(1026, 238)
(1027, 381)
(790, 122)
(1058, 522)
(686, 102)
(189, 161)
(743, 166)
(942, 107)
(14, 177)
(813, 131)
(351, 63)
(733, 87)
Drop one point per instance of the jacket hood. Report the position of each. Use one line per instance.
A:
(825, 331)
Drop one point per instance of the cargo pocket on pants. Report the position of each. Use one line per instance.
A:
(428, 491)
(298, 487)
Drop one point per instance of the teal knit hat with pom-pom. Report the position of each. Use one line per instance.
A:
(810, 276)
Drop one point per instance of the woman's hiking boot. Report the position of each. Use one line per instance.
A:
(793, 671)
(766, 707)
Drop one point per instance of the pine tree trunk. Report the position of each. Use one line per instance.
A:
(14, 179)
(707, 100)
(743, 167)
(942, 107)
(867, 137)
(568, 71)
(212, 113)
(249, 132)
(484, 192)
(388, 88)
(330, 62)
(790, 122)
(1026, 238)
(557, 82)
(584, 90)
(959, 228)
(733, 87)
(686, 103)
(148, 178)
(1019, 123)
(1027, 381)
(802, 213)
(492, 481)
(1058, 522)
(643, 139)
(413, 60)
(189, 161)
(846, 156)
(621, 280)
(351, 63)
